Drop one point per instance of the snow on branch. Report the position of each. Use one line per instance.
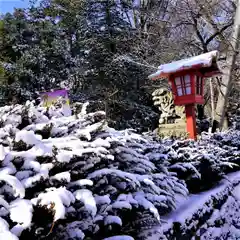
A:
(74, 177)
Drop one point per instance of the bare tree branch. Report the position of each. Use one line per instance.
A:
(218, 33)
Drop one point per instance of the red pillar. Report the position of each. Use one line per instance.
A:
(191, 121)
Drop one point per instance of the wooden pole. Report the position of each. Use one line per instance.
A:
(191, 121)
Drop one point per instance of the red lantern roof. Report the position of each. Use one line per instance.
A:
(205, 63)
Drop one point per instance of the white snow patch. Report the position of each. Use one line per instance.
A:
(63, 176)
(81, 182)
(87, 198)
(21, 211)
(112, 220)
(102, 199)
(59, 196)
(121, 204)
(4, 203)
(64, 156)
(7, 235)
(2, 153)
(14, 183)
(28, 137)
(120, 237)
(3, 225)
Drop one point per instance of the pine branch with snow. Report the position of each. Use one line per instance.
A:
(75, 177)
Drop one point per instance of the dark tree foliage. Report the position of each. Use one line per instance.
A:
(84, 46)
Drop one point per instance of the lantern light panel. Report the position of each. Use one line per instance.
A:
(183, 85)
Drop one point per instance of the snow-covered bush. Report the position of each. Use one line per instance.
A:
(76, 178)
(213, 214)
(200, 164)
(224, 222)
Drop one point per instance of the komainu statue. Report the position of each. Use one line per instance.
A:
(170, 113)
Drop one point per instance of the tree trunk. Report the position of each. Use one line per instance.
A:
(212, 106)
(227, 78)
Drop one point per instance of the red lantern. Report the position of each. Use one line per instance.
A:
(187, 80)
(187, 87)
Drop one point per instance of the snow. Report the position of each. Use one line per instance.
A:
(127, 198)
(8, 235)
(122, 204)
(120, 173)
(100, 200)
(21, 213)
(40, 150)
(28, 137)
(31, 164)
(87, 198)
(31, 181)
(66, 110)
(147, 205)
(61, 198)
(121, 237)
(90, 175)
(196, 203)
(227, 219)
(86, 133)
(64, 156)
(85, 105)
(236, 193)
(2, 153)
(203, 60)
(3, 225)
(148, 181)
(8, 170)
(112, 220)
(4, 203)
(14, 183)
(100, 143)
(23, 174)
(63, 176)
(81, 182)
(74, 231)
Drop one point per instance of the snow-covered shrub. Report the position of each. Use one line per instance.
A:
(24, 140)
(234, 117)
(224, 222)
(210, 215)
(76, 178)
(200, 164)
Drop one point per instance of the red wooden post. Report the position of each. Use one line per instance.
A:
(191, 121)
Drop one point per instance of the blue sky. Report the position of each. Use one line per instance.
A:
(9, 5)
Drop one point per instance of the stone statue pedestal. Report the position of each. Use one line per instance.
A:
(172, 121)
(173, 130)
